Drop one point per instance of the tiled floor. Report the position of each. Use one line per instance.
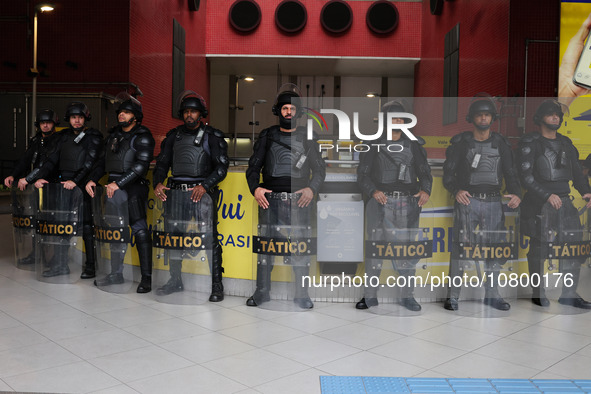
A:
(76, 338)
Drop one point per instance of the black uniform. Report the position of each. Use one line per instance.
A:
(35, 156)
(400, 176)
(127, 157)
(195, 157)
(74, 157)
(546, 167)
(479, 167)
(289, 162)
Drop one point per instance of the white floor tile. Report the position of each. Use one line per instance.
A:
(312, 350)
(552, 338)
(189, 380)
(478, 366)
(71, 327)
(402, 325)
(220, 319)
(206, 347)
(103, 343)
(310, 322)
(360, 336)
(369, 364)
(78, 377)
(523, 353)
(166, 330)
(418, 352)
(255, 367)
(139, 314)
(139, 363)
(34, 358)
(307, 381)
(262, 333)
(457, 337)
(573, 367)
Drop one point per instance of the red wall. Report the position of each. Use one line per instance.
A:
(150, 57)
(267, 39)
(484, 36)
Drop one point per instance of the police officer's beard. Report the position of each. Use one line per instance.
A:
(553, 127)
(191, 123)
(286, 123)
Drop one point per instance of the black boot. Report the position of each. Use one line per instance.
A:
(263, 283)
(535, 266)
(175, 283)
(491, 294)
(407, 299)
(90, 267)
(29, 260)
(58, 264)
(370, 293)
(365, 303)
(144, 251)
(217, 288)
(569, 296)
(301, 291)
(116, 275)
(453, 292)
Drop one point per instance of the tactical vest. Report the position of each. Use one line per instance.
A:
(119, 155)
(281, 161)
(72, 155)
(488, 164)
(553, 165)
(42, 148)
(188, 159)
(395, 167)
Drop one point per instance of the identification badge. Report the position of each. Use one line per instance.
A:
(402, 172)
(80, 136)
(476, 160)
(199, 136)
(301, 161)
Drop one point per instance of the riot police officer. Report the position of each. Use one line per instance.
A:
(548, 161)
(198, 155)
(35, 155)
(129, 149)
(293, 172)
(398, 181)
(475, 165)
(77, 151)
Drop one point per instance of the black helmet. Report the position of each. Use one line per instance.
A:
(188, 99)
(397, 105)
(287, 97)
(47, 115)
(130, 104)
(77, 108)
(481, 104)
(548, 107)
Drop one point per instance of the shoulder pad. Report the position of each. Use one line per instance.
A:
(113, 130)
(530, 137)
(502, 138)
(458, 137)
(420, 140)
(214, 131)
(143, 129)
(171, 131)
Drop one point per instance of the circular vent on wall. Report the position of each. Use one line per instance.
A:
(291, 16)
(336, 16)
(245, 15)
(382, 17)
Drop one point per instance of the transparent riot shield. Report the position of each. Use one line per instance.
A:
(284, 250)
(565, 247)
(182, 242)
(112, 237)
(398, 251)
(59, 224)
(24, 211)
(483, 272)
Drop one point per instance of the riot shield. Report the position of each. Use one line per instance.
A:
(398, 255)
(112, 237)
(483, 272)
(24, 211)
(284, 252)
(182, 242)
(565, 246)
(59, 224)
